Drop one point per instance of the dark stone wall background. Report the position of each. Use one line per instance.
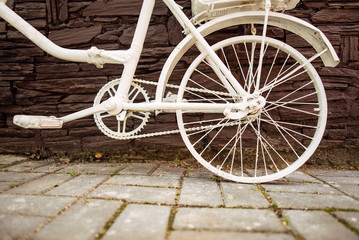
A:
(32, 82)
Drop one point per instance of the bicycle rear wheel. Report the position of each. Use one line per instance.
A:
(269, 143)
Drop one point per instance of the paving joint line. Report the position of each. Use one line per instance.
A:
(14, 163)
(111, 221)
(295, 233)
(18, 184)
(58, 185)
(77, 199)
(336, 188)
(345, 223)
(149, 173)
(175, 207)
(51, 218)
(221, 192)
(279, 213)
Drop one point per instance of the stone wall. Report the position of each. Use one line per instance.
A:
(32, 82)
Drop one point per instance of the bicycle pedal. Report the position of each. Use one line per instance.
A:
(39, 122)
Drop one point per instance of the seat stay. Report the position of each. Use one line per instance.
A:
(308, 32)
(229, 81)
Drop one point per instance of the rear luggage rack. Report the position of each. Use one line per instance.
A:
(205, 10)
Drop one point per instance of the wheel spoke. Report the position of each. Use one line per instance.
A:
(208, 77)
(199, 85)
(285, 130)
(278, 104)
(271, 68)
(291, 130)
(224, 147)
(209, 130)
(213, 138)
(238, 62)
(225, 59)
(292, 108)
(270, 145)
(267, 142)
(288, 76)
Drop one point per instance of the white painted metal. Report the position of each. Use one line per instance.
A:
(232, 152)
(126, 123)
(204, 10)
(308, 32)
(136, 49)
(111, 105)
(39, 122)
(205, 47)
(93, 55)
(266, 9)
(244, 105)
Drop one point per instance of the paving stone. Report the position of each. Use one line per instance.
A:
(33, 205)
(39, 185)
(296, 176)
(243, 195)
(18, 177)
(136, 194)
(18, 226)
(222, 219)
(83, 220)
(301, 177)
(333, 173)
(200, 192)
(313, 201)
(154, 181)
(78, 186)
(210, 235)
(301, 188)
(260, 172)
(50, 168)
(7, 185)
(6, 160)
(27, 166)
(140, 222)
(95, 168)
(200, 173)
(314, 225)
(351, 189)
(350, 217)
(340, 180)
(169, 171)
(137, 169)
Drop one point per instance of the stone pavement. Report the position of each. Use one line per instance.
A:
(47, 200)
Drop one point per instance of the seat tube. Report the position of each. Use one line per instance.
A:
(135, 49)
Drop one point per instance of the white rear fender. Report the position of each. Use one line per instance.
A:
(310, 33)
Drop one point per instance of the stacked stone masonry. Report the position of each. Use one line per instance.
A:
(32, 82)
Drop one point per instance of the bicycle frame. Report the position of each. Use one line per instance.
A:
(129, 58)
(215, 121)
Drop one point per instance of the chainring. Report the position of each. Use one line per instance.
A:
(132, 122)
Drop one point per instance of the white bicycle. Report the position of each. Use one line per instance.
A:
(249, 108)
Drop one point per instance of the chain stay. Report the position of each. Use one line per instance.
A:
(139, 81)
(178, 131)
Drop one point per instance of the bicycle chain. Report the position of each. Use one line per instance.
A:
(177, 131)
(187, 88)
(155, 134)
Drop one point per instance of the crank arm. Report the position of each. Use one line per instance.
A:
(44, 122)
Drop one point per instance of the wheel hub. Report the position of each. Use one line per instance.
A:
(249, 108)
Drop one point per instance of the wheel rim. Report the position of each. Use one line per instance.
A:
(265, 145)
